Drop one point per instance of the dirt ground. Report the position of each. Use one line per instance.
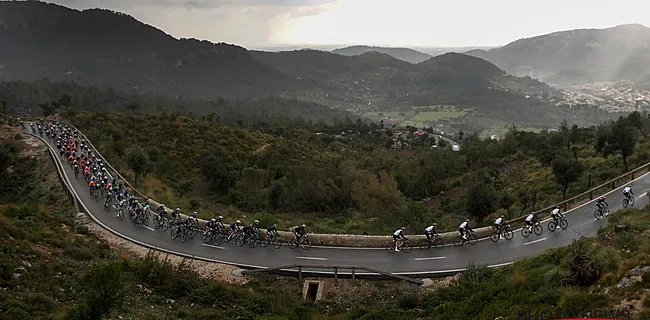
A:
(209, 270)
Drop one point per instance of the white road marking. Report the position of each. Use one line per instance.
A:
(311, 258)
(212, 246)
(431, 258)
(535, 241)
(150, 228)
(643, 195)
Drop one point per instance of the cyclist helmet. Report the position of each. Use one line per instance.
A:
(238, 222)
(194, 213)
(403, 228)
(220, 218)
(178, 209)
(503, 216)
(467, 220)
(304, 226)
(162, 206)
(257, 222)
(214, 220)
(435, 224)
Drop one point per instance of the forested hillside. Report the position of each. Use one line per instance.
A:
(44, 97)
(53, 266)
(354, 177)
(105, 48)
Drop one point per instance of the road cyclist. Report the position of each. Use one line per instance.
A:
(501, 230)
(628, 196)
(532, 226)
(433, 238)
(557, 219)
(602, 208)
(300, 238)
(466, 234)
(272, 236)
(400, 241)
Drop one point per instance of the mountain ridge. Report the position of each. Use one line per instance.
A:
(401, 53)
(577, 56)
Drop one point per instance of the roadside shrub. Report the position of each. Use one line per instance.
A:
(408, 299)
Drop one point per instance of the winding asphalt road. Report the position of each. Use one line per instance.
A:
(432, 262)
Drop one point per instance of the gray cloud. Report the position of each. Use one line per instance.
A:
(242, 22)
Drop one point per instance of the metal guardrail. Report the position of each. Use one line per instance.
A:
(353, 273)
(566, 204)
(579, 199)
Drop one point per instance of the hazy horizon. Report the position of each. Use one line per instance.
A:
(412, 23)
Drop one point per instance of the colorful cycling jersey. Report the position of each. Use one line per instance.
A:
(109, 186)
(530, 217)
(91, 184)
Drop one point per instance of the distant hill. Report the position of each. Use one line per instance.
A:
(104, 48)
(404, 54)
(577, 56)
(377, 81)
(108, 49)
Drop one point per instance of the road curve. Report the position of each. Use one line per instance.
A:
(421, 263)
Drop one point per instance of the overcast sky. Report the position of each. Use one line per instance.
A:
(260, 23)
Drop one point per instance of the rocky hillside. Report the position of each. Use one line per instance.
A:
(576, 56)
(404, 54)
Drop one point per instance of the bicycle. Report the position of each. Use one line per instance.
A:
(159, 222)
(471, 239)
(178, 232)
(233, 235)
(506, 233)
(107, 204)
(628, 200)
(561, 222)
(601, 212)
(436, 242)
(95, 195)
(404, 246)
(119, 213)
(272, 240)
(303, 243)
(212, 236)
(141, 219)
(254, 239)
(537, 229)
(242, 239)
